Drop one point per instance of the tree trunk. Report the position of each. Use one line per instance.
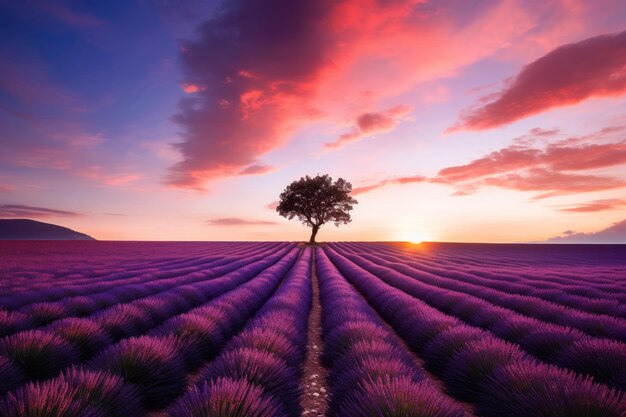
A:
(313, 233)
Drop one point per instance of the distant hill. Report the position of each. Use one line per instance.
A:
(24, 229)
(615, 234)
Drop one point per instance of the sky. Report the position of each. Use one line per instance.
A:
(481, 121)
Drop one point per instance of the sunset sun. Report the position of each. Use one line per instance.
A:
(415, 236)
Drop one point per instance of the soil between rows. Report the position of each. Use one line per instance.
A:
(314, 397)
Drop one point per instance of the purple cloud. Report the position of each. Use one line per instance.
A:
(235, 221)
(368, 124)
(249, 73)
(16, 211)
(256, 169)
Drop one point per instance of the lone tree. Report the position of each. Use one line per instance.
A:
(316, 201)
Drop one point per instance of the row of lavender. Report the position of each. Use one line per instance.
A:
(115, 374)
(371, 372)
(498, 377)
(258, 372)
(539, 282)
(70, 281)
(49, 264)
(562, 345)
(26, 311)
(537, 264)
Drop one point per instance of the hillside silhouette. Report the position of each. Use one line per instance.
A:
(26, 229)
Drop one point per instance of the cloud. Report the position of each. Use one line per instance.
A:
(382, 183)
(103, 176)
(553, 183)
(559, 157)
(555, 168)
(368, 124)
(191, 88)
(597, 205)
(612, 234)
(235, 221)
(256, 169)
(539, 132)
(503, 160)
(272, 206)
(260, 61)
(370, 187)
(531, 164)
(43, 127)
(56, 139)
(594, 67)
(265, 69)
(16, 211)
(29, 83)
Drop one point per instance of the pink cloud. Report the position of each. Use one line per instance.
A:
(544, 133)
(66, 147)
(395, 180)
(371, 187)
(530, 164)
(256, 169)
(597, 205)
(553, 183)
(191, 88)
(594, 67)
(273, 67)
(272, 206)
(107, 177)
(558, 157)
(37, 156)
(368, 124)
(503, 160)
(586, 157)
(16, 211)
(527, 165)
(235, 221)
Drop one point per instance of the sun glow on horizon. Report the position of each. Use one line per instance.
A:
(416, 241)
(415, 237)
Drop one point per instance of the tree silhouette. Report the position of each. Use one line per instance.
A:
(316, 201)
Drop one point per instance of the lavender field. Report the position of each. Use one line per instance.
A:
(279, 329)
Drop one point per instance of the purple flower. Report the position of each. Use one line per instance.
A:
(39, 354)
(225, 398)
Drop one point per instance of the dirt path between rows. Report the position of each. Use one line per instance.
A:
(314, 398)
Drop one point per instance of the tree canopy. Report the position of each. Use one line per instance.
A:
(316, 201)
